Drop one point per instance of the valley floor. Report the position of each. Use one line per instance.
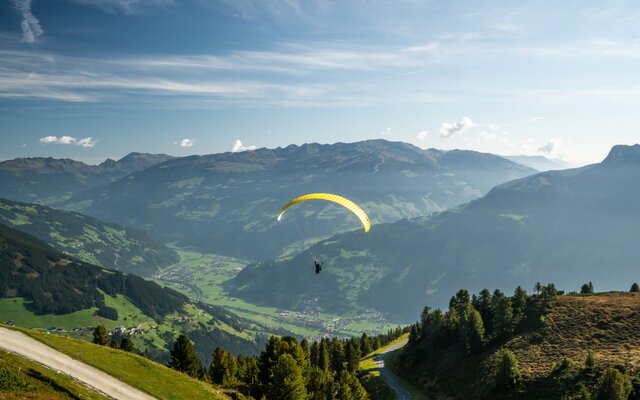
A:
(201, 276)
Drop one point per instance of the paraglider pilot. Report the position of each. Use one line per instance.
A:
(318, 267)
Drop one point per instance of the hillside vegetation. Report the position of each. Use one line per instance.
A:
(560, 347)
(96, 242)
(554, 226)
(40, 286)
(227, 203)
(150, 377)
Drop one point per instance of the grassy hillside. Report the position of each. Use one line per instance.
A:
(21, 378)
(554, 226)
(551, 349)
(40, 287)
(227, 203)
(150, 377)
(96, 242)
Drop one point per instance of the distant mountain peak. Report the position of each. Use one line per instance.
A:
(623, 155)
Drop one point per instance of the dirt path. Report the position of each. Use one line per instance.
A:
(389, 376)
(21, 344)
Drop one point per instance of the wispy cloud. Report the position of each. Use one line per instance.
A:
(448, 129)
(238, 146)
(422, 136)
(125, 6)
(30, 25)
(84, 142)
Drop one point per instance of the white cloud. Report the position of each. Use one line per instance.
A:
(186, 142)
(422, 136)
(23, 145)
(447, 129)
(537, 119)
(66, 140)
(30, 25)
(238, 146)
(49, 139)
(84, 142)
(386, 131)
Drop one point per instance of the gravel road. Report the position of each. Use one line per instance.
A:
(21, 344)
(389, 376)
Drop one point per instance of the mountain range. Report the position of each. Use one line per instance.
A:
(561, 226)
(227, 203)
(50, 181)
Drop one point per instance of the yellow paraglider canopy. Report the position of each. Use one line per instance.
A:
(348, 204)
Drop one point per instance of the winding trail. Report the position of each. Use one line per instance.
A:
(23, 345)
(389, 376)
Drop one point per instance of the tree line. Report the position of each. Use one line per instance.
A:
(476, 323)
(287, 369)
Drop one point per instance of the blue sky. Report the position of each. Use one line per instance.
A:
(90, 79)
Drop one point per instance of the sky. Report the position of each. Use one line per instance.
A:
(91, 79)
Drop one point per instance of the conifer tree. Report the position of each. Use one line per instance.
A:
(614, 385)
(634, 288)
(337, 355)
(323, 355)
(127, 345)
(519, 301)
(224, 367)
(507, 372)
(320, 384)
(286, 381)
(352, 355)
(365, 345)
(349, 388)
(184, 357)
(503, 316)
(100, 336)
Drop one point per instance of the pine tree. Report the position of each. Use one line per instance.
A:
(337, 355)
(323, 355)
(614, 385)
(634, 288)
(127, 345)
(349, 388)
(277, 346)
(320, 384)
(503, 316)
(352, 355)
(485, 307)
(414, 335)
(538, 287)
(224, 367)
(587, 288)
(184, 357)
(100, 336)
(519, 301)
(507, 371)
(365, 345)
(313, 354)
(285, 381)
(475, 331)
